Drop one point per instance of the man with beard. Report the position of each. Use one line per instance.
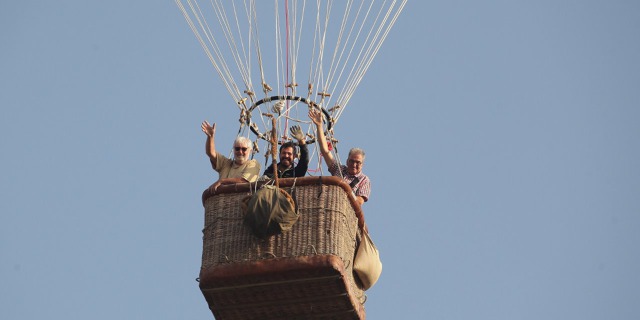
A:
(240, 168)
(286, 167)
(352, 172)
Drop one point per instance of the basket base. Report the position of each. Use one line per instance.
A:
(309, 287)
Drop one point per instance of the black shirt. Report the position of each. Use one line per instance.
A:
(299, 170)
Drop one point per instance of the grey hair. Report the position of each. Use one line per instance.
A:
(357, 151)
(243, 141)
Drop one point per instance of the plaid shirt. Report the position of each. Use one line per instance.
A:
(362, 187)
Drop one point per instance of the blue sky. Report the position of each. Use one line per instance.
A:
(500, 138)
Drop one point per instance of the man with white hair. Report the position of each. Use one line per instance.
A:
(352, 172)
(240, 168)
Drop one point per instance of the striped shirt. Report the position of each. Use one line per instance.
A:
(361, 187)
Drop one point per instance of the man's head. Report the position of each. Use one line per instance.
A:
(241, 150)
(355, 161)
(287, 154)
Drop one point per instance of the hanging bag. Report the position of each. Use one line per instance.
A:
(367, 265)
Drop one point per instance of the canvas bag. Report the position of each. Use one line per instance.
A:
(367, 265)
(269, 211)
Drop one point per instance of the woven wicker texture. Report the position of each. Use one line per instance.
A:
(327, 227)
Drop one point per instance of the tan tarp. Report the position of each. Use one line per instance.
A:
(270, 211)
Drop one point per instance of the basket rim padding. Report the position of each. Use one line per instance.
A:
(265, 267)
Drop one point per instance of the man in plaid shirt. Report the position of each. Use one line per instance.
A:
(352, 172)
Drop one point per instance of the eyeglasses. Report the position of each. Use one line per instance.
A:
(241, 148)
(355, 162)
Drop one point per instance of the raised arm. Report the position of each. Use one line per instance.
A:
(210, 146)
(303, 161)
(316, 117)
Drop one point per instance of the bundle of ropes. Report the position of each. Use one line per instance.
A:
(281, 57)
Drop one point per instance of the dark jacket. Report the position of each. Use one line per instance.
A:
(299, 170)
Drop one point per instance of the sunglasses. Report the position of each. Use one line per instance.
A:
(241, 148)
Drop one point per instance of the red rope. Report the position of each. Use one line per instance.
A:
(286, 21)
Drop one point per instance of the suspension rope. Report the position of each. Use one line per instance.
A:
(336, 53)
(223, 73)
(383, 32)
(224, 25)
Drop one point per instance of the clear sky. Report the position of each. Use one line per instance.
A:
(501, 141)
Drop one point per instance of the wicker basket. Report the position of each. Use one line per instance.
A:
(305, 273)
